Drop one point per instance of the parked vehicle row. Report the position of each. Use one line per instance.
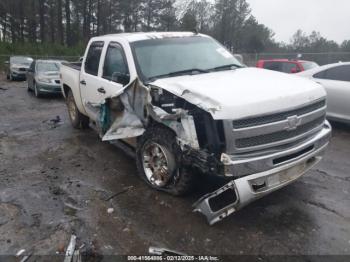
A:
(42, 76)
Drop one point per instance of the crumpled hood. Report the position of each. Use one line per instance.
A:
(243, 93)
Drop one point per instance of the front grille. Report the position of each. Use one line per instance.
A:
(22, 69)
(279, 136)
(256, 121)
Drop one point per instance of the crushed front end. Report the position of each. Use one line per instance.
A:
(264, 154)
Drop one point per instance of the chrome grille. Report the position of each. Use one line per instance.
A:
(243, 123)
(278, 130)
(279, 136)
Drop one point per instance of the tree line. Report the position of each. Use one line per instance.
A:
(72, 22)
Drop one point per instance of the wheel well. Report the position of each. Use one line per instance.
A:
(154, 124)
(66, 89)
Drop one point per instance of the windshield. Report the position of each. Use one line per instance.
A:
(158, 58)
(309, 65)
(48, 67)
(21, 60)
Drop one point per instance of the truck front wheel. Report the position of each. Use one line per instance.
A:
(78, 120)
(159, 162)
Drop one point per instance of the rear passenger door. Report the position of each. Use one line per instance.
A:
(90, 79)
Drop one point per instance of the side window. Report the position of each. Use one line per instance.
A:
(320, 75)
(289, 68)
(339, 73)
(115, 67)
(93, 58)
(275, 66)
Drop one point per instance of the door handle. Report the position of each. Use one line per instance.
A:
(83, 82)
(101, 90)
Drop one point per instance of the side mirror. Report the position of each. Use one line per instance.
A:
(239, 57)
(121, 78)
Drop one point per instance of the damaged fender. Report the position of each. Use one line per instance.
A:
(129, 121)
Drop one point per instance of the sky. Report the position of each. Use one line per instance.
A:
(330, 17)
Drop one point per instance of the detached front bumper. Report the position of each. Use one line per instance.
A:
(242, 191)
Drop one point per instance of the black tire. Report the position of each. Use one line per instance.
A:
(180, 179)
(78, 120)
(28, 88)
(7, 76)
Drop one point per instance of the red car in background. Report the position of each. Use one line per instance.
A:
(286, 65)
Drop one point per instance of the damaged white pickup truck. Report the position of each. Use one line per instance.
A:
(186, 106)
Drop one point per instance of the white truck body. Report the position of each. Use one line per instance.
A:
(259, 129)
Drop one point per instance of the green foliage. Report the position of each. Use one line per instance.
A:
(301, 42)
(47, 27)
(345, 46)
(52, 51)
(46, 49)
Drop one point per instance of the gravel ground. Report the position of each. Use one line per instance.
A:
(54, 181)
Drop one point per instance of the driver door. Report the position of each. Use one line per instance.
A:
(115, 73)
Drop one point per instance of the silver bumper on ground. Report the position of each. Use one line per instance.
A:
(242, 191)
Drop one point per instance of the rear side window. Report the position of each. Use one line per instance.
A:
(285, 67)
(93, 58)
(275, 66)
(290, 68)
(339, 73)
(115, 67)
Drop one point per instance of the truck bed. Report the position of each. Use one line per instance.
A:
(74, 65)
(70, 78)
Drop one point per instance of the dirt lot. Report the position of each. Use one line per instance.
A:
(54, 181)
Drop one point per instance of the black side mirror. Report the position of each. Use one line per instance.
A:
(121, 78)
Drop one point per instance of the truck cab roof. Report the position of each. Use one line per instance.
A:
(139, 36)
